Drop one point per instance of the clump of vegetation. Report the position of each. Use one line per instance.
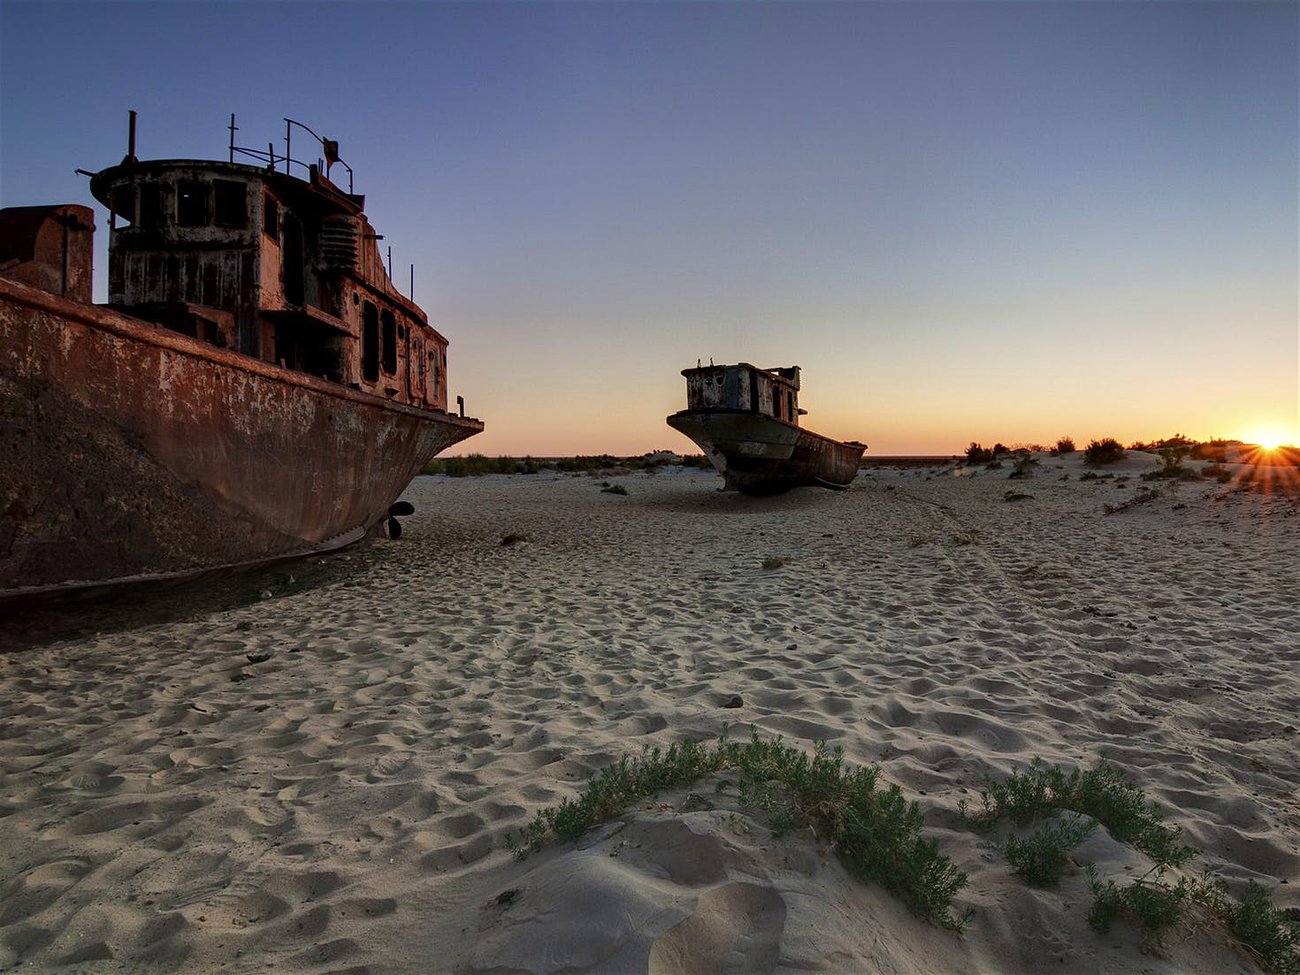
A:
(962, 538)
(514, 538)
(1172, 457)
(876, 832)
(777, 562)
(1023, 465)
(1016, 496)
(1106, 451)
(918, 539)
(1042, 857)
(607, 488)
(476, 465)
(1155, 446)
(1215, 451)
(975, 454)
(1150, 900)
(1102, 792)
(1218, 472)
(1065, 445)
(1271, 934)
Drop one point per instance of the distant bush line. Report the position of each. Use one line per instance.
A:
(1172, 450)
(477, 465)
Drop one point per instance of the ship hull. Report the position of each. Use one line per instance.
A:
(133, 453)
(759, 454)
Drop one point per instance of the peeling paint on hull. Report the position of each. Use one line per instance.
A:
(759, 454)
(130, 451)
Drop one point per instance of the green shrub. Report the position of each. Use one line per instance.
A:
(1151, 902)
(1023, 464)
(1106, 451)
(875, 832)
(1042, 857)
(1271, 934)
(1102, 792)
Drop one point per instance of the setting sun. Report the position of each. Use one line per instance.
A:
(1268, 439)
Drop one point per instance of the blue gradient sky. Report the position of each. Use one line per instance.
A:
(966, 221)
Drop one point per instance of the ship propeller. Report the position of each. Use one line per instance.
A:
(399, 508)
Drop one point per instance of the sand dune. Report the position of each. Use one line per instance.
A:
(318, 773)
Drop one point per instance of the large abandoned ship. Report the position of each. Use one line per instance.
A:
(746, 420)
(256, 387)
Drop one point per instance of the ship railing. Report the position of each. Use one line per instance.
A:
(329, 147)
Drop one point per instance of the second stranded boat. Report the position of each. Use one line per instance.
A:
(255, 389)
(746, 420)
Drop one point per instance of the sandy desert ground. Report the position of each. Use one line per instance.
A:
(313, 769)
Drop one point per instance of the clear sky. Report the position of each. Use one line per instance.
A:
(965, 221)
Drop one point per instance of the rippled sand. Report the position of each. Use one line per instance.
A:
(314, 769)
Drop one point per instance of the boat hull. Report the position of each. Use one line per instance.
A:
(133, 452)
(759, 454)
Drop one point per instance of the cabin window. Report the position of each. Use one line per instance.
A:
(231, 203)
(124, 204)
(270, 216)
(390, 342)
(151, 217)
(191, 203)
(370, 342)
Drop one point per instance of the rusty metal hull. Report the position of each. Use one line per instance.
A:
(759, 454)
(133, 452)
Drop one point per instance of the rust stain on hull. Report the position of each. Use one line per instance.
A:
(139, 452)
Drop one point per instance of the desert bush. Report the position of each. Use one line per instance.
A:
(1106, 451)
(877, 833)
(1218, 472)
(975, 454)
(1172, 458)
(476, 465)
(1063, 446)
(1271, 934)
(1041, 858)
(1150, 900)
(1211, 450)
(1023, 464)
(1102, 792)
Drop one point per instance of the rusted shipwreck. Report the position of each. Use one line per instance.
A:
(746, 420)
(256, 388)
